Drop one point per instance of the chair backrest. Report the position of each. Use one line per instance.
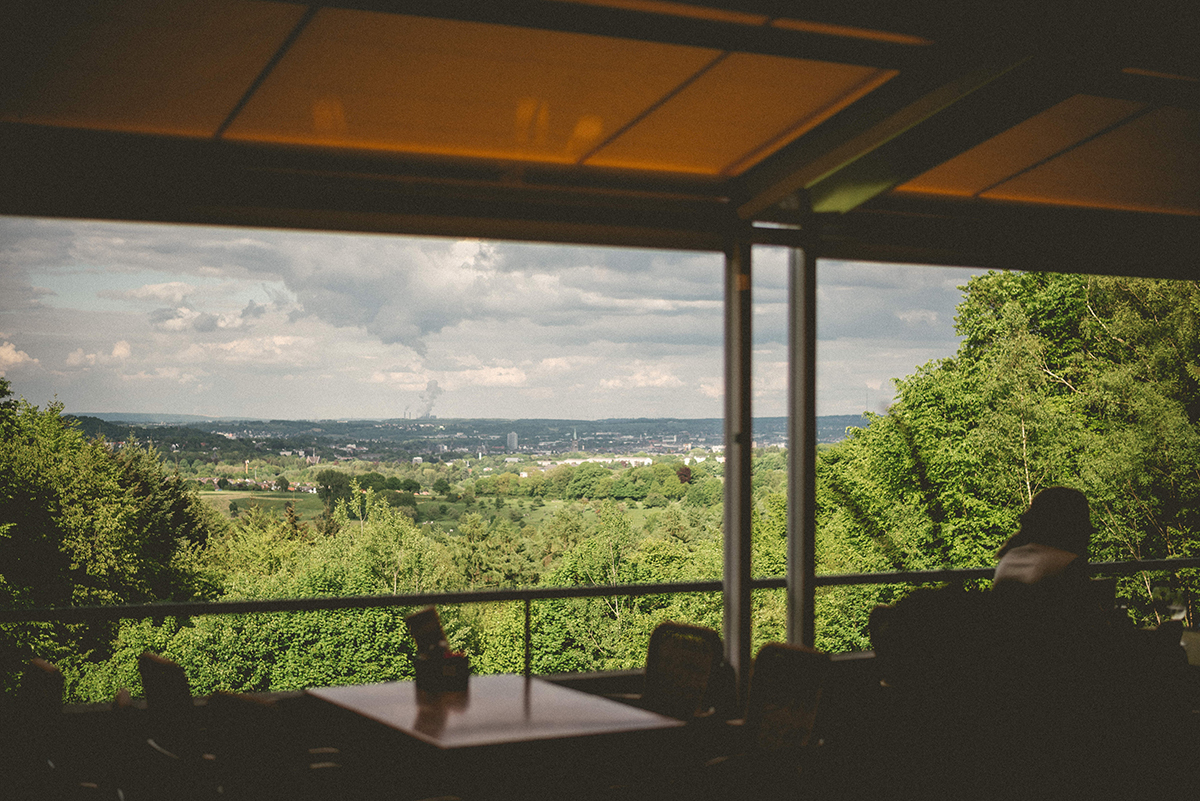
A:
(165, 685)
(42, 688)
(680, 663)
(785, 691)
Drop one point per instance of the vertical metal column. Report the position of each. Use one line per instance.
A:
(738, 450)
(802, 444)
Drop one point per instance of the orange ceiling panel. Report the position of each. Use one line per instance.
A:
(738, 112)
(143, 66)
(1022, 146)
(1148, 164)
(357, 79)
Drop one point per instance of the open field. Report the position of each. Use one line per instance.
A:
(308, 505)
(516, 509)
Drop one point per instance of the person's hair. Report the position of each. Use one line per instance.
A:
(1058, 517)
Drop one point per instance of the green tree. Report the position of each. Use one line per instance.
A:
(83, 522)
(590, 480)
(378, 550)
(1086, 381)
(333, 486)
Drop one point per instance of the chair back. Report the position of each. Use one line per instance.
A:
(42, 688)
(785, 691)
(681, 662)
(165, 685)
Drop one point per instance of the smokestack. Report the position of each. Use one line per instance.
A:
(427, 398)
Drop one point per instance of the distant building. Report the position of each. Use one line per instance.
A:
(512, 440)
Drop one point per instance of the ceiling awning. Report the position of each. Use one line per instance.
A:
(925, 135)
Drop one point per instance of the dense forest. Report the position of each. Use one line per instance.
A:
(1090, 382)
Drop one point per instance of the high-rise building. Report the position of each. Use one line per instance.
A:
(512, 440)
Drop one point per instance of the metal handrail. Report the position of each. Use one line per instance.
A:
(97, 614)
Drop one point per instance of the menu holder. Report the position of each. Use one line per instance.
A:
(438, 669)
(442, 673)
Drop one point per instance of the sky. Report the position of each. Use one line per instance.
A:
(259, 324)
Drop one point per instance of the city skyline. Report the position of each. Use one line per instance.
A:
(256, 323)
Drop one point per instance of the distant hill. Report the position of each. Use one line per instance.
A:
(148, 418)
(185, 427)
(832, 427)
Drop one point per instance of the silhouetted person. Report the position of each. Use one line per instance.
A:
(1042, 570)
(1072, 706)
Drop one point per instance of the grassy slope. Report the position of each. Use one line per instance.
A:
(308, 505)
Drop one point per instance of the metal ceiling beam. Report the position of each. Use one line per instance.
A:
(87, 174)
(1021, 68)
(852, 162)
(847, 139)
(997, 235)
(649, 27)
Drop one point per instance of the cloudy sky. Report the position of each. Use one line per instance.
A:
(110, 317)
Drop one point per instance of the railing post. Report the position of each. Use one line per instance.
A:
(802, 445)
(528, 639)
(738, 451)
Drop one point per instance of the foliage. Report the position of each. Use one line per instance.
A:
(82, 523)
(377, 551)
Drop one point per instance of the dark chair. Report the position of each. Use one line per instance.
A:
(165, 685)
(170, 758)
(32, 739)
(772, 742)
(42, 688)
(45, 757)
(683, 671)
(764, 754)
(785, 691)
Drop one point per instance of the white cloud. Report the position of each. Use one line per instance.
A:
(554, 364)
(488, 377)
(402, 380)
(924, 317)
(173, 319)
(171, 375)
(644, 376)
(301, 324)
(173, 292)
(77, 358)
(10, 357)
(251, 350)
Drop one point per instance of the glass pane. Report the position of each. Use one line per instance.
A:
(1045, 380)
(294, 414)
